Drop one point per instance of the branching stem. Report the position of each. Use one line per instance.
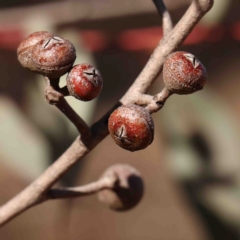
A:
(158, 101)
(106, 182)
(55, 95)
(38, 190)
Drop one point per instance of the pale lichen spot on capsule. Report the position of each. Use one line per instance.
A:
(121, 135)
(121, 132)
(57, 39)
(53, 40)
(92, 75)
(195, 62)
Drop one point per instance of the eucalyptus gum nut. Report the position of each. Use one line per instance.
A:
(53, 57)
(131, 127)
(84, 82)
(128, 190)
(183, 73)
(24, 50)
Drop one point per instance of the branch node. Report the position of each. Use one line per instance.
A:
(158, 101)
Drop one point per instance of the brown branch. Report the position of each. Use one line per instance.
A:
(106, 182)
(55, 95)
(35, 192)
(166, 46)
(158, 101)
(143, 99)
(166, 17)
(79, 123)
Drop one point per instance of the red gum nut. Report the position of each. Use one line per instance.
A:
(24, 50)
(183, 73)
(53, 57)
(131, 127)
(84, 82)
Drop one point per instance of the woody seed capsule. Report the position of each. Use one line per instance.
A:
(131, 127)
(53, 56)
(84, 82)
(24, 50)
(183, 73)
(128, 190)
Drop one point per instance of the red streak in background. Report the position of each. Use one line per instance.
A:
(10, 37)
(127, 40)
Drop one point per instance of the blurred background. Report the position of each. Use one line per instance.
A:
(192, 169)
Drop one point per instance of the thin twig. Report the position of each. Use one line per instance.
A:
(166, 46)
(166, 17)
(79, 123)
(35, 192)
(143, 99)
(64, 91)
(55, 95)
(106, 182)
(158, 101)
